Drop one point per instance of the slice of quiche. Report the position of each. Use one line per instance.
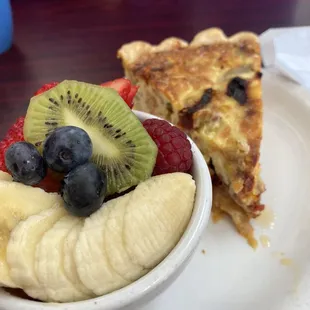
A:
(222, 203)
(211, 88)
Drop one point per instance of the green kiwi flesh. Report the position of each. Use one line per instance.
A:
(122, 148)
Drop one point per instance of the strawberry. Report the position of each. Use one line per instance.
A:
(131, 95)
(45, 87)
(125, 89)
(123, 86)
(52, 182)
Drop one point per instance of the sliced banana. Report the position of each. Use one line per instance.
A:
(57, 257)
(70, 268)
(115, 247)
(156, 217)
(49, 263)
(17, 203)
(5, 176)
(22, 248)
(93, 265)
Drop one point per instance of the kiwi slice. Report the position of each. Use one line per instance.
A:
(122, 148)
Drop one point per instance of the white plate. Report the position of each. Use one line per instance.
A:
(230, 275)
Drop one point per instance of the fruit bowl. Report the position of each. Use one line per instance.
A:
(159, 278)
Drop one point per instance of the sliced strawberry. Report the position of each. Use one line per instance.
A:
(52, 182)
(131, 95)
(122, 86)
(45, 87)
(125, 89)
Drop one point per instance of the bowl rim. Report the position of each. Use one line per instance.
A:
(159, 274)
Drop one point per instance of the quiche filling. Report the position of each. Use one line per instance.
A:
(211, 88)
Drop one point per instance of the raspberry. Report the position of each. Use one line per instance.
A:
(174, 149)
(14, 134)
(45, 87)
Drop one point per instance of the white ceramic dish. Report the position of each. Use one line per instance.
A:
(230, 275)
(146, 288)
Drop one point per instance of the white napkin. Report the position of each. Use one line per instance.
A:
(288, 51)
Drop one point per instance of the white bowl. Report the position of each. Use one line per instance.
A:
(153, 283)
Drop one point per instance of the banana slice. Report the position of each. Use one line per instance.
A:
(56, 257)
(17, 203)
(115, 248)
(49, 263)
(93, 265)
(156, 216)
(21, 249)
(69, 260)
(5, 176)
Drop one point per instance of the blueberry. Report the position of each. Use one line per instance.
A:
(84, 189)
(25, 163)
(66, 148)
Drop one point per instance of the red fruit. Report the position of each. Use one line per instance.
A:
(14, 134)
(174, 149)
(131, 95)
(45, 87)
(125, 89)
(52, 182)
(122, 86)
